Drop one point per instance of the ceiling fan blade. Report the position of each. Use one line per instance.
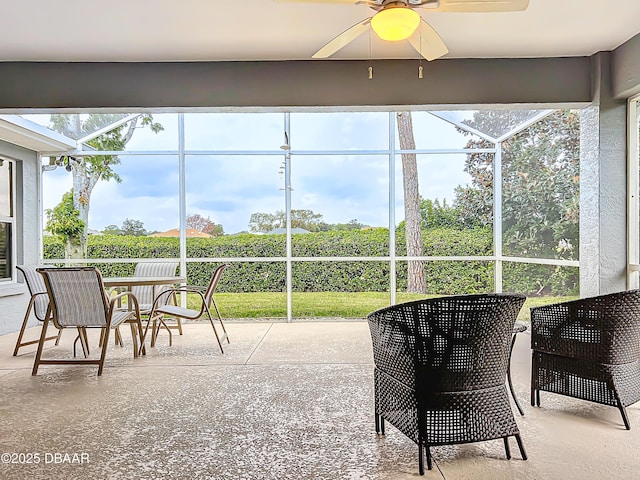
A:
(482, 5)
(349, 35)
(318, 1)
(427, 42)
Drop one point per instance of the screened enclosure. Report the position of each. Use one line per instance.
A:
(426, 202)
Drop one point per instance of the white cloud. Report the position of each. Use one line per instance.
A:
(229, 188)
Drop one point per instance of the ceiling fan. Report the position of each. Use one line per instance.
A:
(396, 20)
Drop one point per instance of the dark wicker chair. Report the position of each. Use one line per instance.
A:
(588, 349)
(440, 367)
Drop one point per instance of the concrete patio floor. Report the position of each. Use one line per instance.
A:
(285, 401)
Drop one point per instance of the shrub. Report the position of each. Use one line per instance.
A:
(442, 277)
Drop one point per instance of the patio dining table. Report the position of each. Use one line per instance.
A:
(141, 281)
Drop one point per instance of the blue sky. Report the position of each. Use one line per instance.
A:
(229, 188)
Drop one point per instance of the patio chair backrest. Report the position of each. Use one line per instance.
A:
(36, 286)
(455, 343)
(77, 296)
(213, 284)
(604, 329)
(145, 293)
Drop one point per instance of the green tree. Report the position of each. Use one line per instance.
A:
(307, 219)
(434, 214)
(540, 185)
(132, 227)
(263, 222)
(204, 225)
(88, 171)
(350, 225)
(438, 215)
(216, 230)
(112, 230)
(63, 221)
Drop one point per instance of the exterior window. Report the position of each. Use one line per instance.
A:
(6, 219)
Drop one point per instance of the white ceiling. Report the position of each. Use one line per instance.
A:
(200, 30)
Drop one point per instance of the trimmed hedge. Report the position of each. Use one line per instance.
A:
(451, 277)
(442, 277)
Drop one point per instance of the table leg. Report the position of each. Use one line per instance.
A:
(513, 393)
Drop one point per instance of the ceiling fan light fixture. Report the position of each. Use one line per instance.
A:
(395, 23)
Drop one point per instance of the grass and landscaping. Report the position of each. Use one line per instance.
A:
(328, 304)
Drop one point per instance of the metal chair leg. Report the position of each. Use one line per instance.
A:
(507, 450)
(104, 349)
(521, 447)
(535, 390)
(58, 337)
(224, 330)
(379, 424)
(43, 335)
(162, 323)
(20, 343)
(215, 332)
(24, 326)
(84, 341)
(142, 349)
(623, 412)
(117, 338)
(134, 339)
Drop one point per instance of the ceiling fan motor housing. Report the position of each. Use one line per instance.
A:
(395, 21)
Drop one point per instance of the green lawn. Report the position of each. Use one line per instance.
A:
(326, 304)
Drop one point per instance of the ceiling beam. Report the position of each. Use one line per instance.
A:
(294, 84)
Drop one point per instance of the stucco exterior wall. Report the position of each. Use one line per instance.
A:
(14, 297)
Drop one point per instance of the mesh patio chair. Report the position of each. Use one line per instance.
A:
(440, 367)
(77, 299)
(146, 294)
(162, 308)
(588, 349)
(38, 304)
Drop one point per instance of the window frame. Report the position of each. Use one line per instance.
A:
(11, 220)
